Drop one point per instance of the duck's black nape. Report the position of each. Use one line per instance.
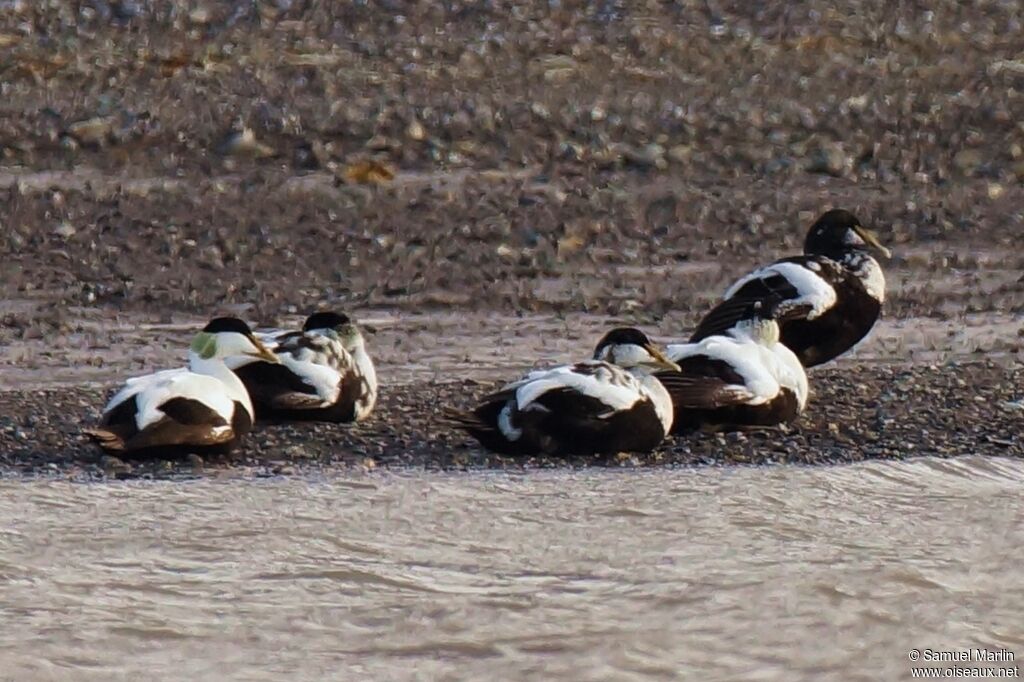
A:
(325, 320)
(227, 324)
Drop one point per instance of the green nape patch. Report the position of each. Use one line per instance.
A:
(204, 345)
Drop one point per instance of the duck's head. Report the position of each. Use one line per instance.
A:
(336, 325)
(630, 348)
(837, 233)
(224, 337)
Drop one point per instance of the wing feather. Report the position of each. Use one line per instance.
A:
(795, 288)
(611, 385)
(169, 384)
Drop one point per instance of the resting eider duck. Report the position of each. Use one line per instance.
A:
(325, 373)
(204, 407)
(606, 405)
(735, 380)
(831, 295)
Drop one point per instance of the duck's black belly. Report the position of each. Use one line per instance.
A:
(783, 408)
(839, 329)
(637, 429)
(574, 429)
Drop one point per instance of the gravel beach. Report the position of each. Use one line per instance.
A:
(497, 182)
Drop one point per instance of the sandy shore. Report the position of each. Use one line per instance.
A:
(901, 394)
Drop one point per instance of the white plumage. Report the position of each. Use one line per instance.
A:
(813, 292)
(743, 377)
(154, 390)
(614, 387)
(765, 369)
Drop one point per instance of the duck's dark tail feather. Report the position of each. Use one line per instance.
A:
(108, 440)
(467, 421)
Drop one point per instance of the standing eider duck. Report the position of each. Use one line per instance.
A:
(201, 408)
(325, 373)
(612, 403)
(832, 294)
(739, 379)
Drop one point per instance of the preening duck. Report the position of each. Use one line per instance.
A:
(204, 407)
(741, 378)
(611, 403)
(325, 373)
(831, 295)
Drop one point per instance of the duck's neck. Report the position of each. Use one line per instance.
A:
(660, 397)
(763, 332)
(868, 271)
(366, 369)
(365, 365)
(215, 367)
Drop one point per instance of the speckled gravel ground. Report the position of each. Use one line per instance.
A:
(616, 159)
(855, 414)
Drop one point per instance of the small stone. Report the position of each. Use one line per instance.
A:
(244, 143)
(828, 159)
(649, 156)
(65, 230)
(967, 161)
(681, 153)
(416, 131)
(995, 190)
(200, 15)
(92, 131)
(112, 464)
(856, 104)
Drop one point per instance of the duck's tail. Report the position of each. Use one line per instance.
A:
(108, 440)
(467, 421)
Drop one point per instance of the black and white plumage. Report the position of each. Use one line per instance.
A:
(831, 295)
(203, 407)
(744, 377)
(324, 374)
(609, 404)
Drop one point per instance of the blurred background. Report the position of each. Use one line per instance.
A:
(625, 158)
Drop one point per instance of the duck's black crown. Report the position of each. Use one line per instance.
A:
(325, 320)
(227, 324)
(622, 335)
(828, 235)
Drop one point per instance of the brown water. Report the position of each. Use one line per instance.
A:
(777, 573)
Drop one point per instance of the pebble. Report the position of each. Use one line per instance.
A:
(829, 159)
(64, 230)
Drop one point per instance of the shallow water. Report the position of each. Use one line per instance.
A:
(779, 573)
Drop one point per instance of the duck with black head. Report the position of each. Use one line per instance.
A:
(197, 409)
(831, 296)
(609, 404)
(325, 372)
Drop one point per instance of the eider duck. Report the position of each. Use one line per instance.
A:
(325, 373)
(738, 379)
(832, 294)
(201, 408)
(612, 403)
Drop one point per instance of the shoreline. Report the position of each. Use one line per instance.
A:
(856, 412)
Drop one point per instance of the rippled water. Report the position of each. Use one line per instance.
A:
(777, 573)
